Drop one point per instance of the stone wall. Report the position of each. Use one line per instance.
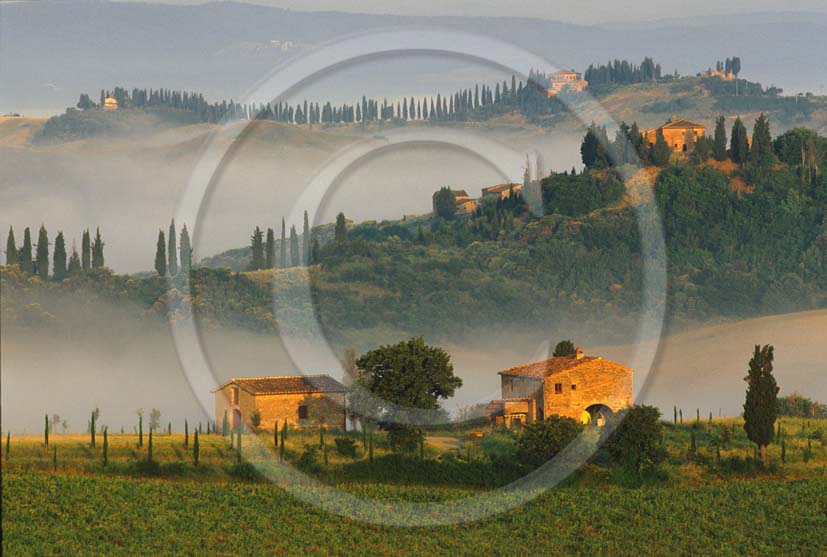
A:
(595, 382)
(322, 408)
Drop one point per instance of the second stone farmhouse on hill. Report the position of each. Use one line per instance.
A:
(586, 388)
(302, 400)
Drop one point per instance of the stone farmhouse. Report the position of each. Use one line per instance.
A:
(568, 80)
(465, 203)
(110, 103)
(503, 191)
(679, 133)
(302, 400)
(586, 388)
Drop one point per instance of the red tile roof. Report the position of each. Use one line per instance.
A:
(539, 370)
(499, 188)
(286, 384)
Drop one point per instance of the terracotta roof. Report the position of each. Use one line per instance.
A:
(501, 187)
(681, 123)
(286, 384)
(459, 193)
(539, 370)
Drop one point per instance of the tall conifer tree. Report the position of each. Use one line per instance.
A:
(86, 251)
(270, 249)
(59, 258)
(161, 255)
(43, 253)
(739, 145)
(172, 252)
(24, 257)
(719, 139)
(306, 241)
(73, 268)
(11, 248)
(283, 246)
(257, 248)
(762, 149)
(294, 248)
(185, 250)
(761, 404)
(97, 250)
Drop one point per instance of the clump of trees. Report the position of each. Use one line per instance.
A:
(761, 404)
(540, 441)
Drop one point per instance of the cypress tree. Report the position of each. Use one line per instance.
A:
(86, 251)
(186, 434)
(169, 428)
(739, 145)
(59, 259)
(140, 430)
(270, 250)
(238, 444)
(185, 250)
(161, 255)
(783, 451)
(46, 431)
(97, 251)
(24, 257)
(232, 438)
(283, 246)
(294, 248)
(761, 404)
(225, 425)
(680, 414)
(697, 415)
(42, 253)
(283, 437)
(762, 150)
(692, 443)
(8, 444)
(314, 251)
(710, 417)
(74, 266)
(719, 139)
(340, 232)
(675, 412)
(105, 446)
(92, 431)
(275, 434)
(149, 447)
(11, 248)
(257, 247)
(172, 252)
(306, 240)
(195, 449)
(661, 152)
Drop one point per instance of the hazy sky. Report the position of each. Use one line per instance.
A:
(578, 11)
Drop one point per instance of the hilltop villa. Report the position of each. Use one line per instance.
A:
(300, 399)
(565, 80)
(465, 204)
(679, 133)
(110, 103)
(586, 388)
(503, 191)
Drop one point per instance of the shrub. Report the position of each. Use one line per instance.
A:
(244, 471)
(637, 439)
(309, 458)
(255, 419)
(539, 442)
(345, 446)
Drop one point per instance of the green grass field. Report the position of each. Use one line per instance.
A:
(697, 504)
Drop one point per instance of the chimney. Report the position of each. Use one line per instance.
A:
(578, 353)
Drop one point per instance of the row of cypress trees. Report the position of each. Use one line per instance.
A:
(263, 251)
(34, 258)
(168, 255)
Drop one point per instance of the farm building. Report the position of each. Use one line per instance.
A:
(680, 134)
(302, 400)
(586, 388)
(503, 191)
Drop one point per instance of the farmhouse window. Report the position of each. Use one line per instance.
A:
(558, 388)
(573, 387)
(302, 412)
(509, 385)
(234, 395)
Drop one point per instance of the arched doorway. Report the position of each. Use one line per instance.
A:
(596, 414)
(236, 418)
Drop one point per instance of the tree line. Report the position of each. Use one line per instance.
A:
(466, 104)
(623, 72)
(34, 258)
